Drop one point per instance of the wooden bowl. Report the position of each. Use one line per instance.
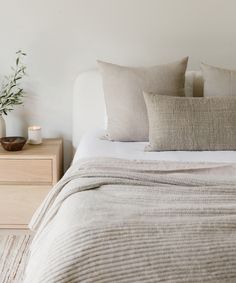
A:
(13, 143)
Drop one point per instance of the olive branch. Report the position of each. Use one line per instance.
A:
(11, 93)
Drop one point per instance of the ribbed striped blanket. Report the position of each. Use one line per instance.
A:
(111, 220)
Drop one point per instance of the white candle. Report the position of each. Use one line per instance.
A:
(34, 135)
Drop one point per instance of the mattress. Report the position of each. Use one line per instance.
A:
(119, 220)
(92, 145)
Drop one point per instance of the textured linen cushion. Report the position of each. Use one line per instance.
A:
(189, 123)
(123, 90)
(218, 81)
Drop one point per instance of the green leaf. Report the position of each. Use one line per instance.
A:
(10, 92)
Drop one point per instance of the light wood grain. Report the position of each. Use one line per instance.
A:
(18, 203)
(26, 171)
(48, 149)
(25, 179)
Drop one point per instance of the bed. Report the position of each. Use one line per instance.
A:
(124, 215)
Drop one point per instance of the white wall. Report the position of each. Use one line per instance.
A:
(64, 37)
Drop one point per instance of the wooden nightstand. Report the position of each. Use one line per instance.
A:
(25, 179)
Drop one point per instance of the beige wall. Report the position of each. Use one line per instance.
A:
(64, 37)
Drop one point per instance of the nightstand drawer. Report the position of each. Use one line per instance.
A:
(26, 171)
(26, 177)
(18, 203)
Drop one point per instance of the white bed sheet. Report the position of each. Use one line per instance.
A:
(91, 145)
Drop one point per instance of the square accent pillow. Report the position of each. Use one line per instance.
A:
(187, 123)
(123, 90)
(218, 81)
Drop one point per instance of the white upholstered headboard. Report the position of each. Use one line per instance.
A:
(88, 101)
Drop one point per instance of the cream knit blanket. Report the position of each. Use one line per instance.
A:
(112, 220)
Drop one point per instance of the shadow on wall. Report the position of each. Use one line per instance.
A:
(67, 153)
(18, 120)
(22, 116)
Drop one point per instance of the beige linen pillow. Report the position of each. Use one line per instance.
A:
(218, 81)
(123, 90)
(187, 123)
